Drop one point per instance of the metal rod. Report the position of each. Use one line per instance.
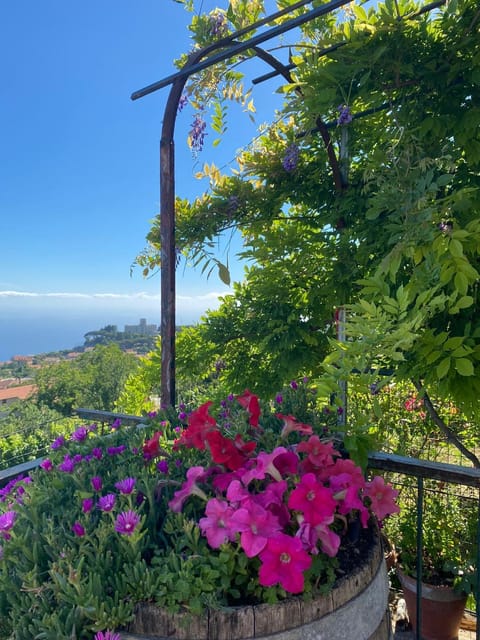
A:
(477, 598)
(419, 555)
(239, 47)
(272, 74)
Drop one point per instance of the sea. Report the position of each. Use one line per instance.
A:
(32, 336)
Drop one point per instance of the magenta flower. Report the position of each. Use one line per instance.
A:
(126, 486)
(162, 466)
(114, 451)
(58, 443)
(284, 561)
(96, 483)
(46, 464)
(126, 522)
(106, 503)
(216, 526)
(315, 501)
(78, 529)
(68, 464)
(189, 488)
(87, 505)
(265, 464)
(382, 497)
(79, 435)
(256, 525)
(97, 453)
(7, 520)
(107, 635)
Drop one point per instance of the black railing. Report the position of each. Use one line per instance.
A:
(421, 470)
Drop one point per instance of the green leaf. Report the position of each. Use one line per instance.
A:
(443, 368)
(224, 274)
(464, 367)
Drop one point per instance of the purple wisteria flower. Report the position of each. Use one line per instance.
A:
(106, 503)
(78, 529)
(96, 483)
(80, 434)
(107, 635)
(87, 505)
(126, 522)
(126, 486)
(344, 114)
(197, 133)
(113, 451)
(218, 24)
(290, 159)
(182, 103)
(58, 443)
(46, 464)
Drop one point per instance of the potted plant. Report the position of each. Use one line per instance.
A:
(447, 572)
(191, 512)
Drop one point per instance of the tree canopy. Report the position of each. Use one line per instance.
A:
(363, 193)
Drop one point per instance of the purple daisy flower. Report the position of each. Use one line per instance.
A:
(96, 483)
(79, 435)
(78, 529)
(87, 505)
(126, 485)
(58, 443)
(126, 522)
(106, 503)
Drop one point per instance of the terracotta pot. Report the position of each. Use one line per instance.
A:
(357, 605)
(441, 608)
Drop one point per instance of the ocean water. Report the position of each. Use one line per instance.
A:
(34, 335)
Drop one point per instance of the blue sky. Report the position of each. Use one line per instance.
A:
(79, 165)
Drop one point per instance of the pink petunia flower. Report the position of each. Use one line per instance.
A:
(256, 525)
(290, 424)
(126, 522)
(315, 501)
(382, 497)
(264, 465)
(284, 561)
(216, 525)
(189, 487)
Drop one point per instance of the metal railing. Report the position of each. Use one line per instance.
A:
(421, 470)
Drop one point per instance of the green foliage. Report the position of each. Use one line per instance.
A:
(379, 214)
(93, 379)
(26, 432)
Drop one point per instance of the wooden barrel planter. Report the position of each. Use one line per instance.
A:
(357, 607)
